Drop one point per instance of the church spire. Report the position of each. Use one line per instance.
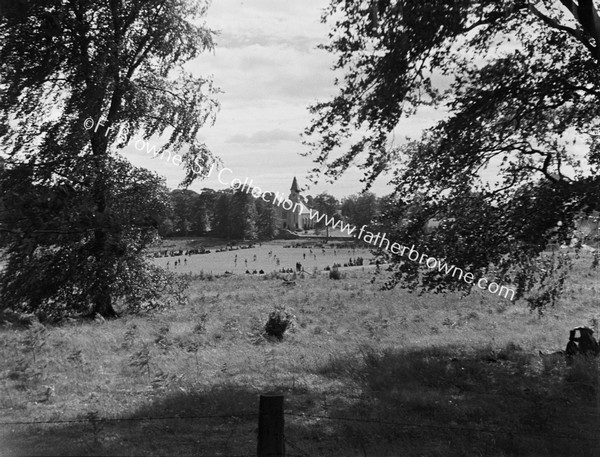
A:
(295, 188)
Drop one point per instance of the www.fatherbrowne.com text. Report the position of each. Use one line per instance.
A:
(379, 240)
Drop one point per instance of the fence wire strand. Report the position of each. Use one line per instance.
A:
(292, 445)
(132, 419)
(439, 427)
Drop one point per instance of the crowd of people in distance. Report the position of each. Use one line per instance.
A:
(178, 252)
(357, 262)
(234, 247)
(312, 252)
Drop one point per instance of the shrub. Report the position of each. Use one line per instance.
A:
(200, 326)
(279, 321)
(34, 339)
(130, 336)
(335, 273)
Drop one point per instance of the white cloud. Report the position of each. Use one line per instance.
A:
(268, 65)
(264, 137)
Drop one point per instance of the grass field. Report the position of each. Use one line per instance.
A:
(217, 263)
(365, 372)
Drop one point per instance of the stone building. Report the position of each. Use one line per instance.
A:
(297, 218)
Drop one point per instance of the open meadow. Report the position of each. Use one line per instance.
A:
(365, 372)
(270, 257)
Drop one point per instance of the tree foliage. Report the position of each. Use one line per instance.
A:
(267, 220)
(190, 213)
(51, 268)
(243, 215)
(326, 204)
(361, 209)
(120, 65)
(229, 214)
(222, 222)
(516, 157)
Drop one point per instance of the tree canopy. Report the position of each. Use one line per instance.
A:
(120, 65)
(326, 204)
(514, 160)
(361, 209)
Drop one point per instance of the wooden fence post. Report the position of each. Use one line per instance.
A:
(270, 426)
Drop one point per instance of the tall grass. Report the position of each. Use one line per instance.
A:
(427, 375)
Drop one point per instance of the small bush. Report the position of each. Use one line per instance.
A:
(200, 326)
(161, 338)
(130, 336)
(335, 273)
(141, 360)
(34, 339)
(279, 321)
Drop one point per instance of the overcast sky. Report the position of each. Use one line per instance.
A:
(269, 68)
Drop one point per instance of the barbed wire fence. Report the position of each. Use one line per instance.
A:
(282, 440)
(99, 427)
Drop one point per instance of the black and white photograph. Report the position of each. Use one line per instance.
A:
(318, 228)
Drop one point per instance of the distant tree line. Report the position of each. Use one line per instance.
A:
(234, 214)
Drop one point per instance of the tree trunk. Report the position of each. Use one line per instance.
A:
(103, 304)
(102, 295)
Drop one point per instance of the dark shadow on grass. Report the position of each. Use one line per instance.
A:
(414, 402)
(444, 401)
(219, 422)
